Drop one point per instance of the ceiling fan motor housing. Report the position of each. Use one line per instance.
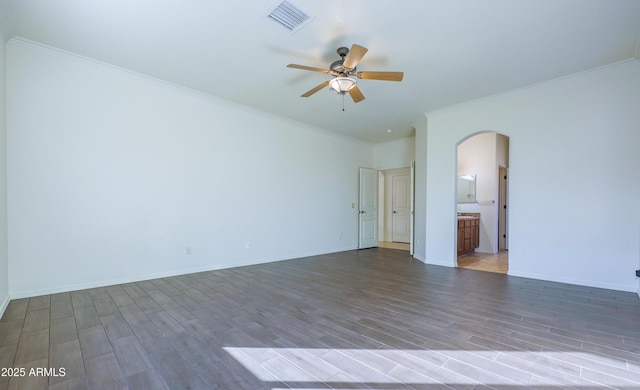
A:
(338, 68)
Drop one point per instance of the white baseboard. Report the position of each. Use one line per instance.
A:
(579, 282)
(439, 263)
(4, 304)
(433, 262)
(140, 278)
(133, 279)
(419, 257)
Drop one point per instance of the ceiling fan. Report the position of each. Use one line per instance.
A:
(345, 73)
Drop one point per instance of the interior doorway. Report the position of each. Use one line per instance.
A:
(395, 202)
(482, 202)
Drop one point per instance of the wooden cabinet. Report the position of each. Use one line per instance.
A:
(468, 235)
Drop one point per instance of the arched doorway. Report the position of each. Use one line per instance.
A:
(481, 202)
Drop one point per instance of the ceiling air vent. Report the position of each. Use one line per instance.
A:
(289, 16)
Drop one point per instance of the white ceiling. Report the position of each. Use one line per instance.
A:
(451, 51)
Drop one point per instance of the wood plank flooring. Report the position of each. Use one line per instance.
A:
(393, 245)
(369, 319)
(489, 262)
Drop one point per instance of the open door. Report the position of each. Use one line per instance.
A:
(368, 210)
(412, 206)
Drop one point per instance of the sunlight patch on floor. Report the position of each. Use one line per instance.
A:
(395, 366)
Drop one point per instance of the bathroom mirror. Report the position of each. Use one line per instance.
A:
(466, 189)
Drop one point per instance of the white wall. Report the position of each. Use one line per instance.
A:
(381, 202)
(394, 154)
(574, 177)
(4, 262)
(420, 189)
(112, 175)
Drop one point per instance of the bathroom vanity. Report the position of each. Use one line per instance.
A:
(468, 233)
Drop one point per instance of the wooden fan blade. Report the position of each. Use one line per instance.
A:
(311, 68)
(356, 94)
(316, 89)
(355, 55)
(386, 76)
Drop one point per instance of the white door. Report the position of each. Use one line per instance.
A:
(401, 207)
(412, 205)
(368, 210)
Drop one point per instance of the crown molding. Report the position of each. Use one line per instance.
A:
(24, 42)
(517, 91)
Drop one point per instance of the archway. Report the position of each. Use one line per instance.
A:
(481, 202)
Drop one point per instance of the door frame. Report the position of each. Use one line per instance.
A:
(412, 173)
(364, 209)
(503, 208)
(411, 201)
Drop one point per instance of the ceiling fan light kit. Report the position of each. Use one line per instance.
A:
(344, 74)
(342, 85)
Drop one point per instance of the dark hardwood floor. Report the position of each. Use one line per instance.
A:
(364, 319)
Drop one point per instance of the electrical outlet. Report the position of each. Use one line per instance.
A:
(247, 245)
(188, 250)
